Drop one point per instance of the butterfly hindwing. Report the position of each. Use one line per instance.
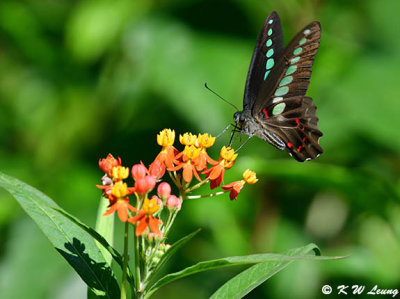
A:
(294, 121)
(268, 49)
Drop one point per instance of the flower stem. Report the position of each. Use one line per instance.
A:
(205, 195)
(174, 179)
(126, 258)
(198, 185)
(138, 282)
(170, 221)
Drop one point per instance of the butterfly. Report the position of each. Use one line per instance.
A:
(275, 107)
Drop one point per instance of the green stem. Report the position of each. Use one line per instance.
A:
(205, 195)
(174, 179)
(198, 185)
(125, 265)
(137, 265)
(170, 221)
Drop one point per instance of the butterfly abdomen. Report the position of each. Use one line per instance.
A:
(252, 128)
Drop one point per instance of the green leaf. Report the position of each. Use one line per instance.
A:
(100, 241)
(252, 277)
(239, 260)
(99, 238)
(171, 251)
(73, 243)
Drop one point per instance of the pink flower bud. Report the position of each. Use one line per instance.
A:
(173, 203)
(138, 171)
(164, 190)
(145, 184)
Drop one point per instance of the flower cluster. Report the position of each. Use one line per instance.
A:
(182, 166)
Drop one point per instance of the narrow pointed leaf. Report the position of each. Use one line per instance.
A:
(252, 277)
(100, 241)
(72, 242)
(178, 244)
(234, 261)
(99, 238)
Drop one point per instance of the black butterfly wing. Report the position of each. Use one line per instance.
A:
(268, 48)
(294, 121)
(281, 106)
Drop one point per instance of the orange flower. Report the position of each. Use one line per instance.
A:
(235, 187)
(166, 139)
(121, 206)
(108, 164)
(145, 217)
(157, 170)
(118, 201)
(216, 173)
(189, 155)
(204, 141)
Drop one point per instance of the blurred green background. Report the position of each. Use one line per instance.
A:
(80, 79)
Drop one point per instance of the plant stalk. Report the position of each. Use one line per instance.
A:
(126, 258)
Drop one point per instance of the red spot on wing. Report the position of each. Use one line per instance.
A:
(289, 144)
(303, 128)
(265, 113)
(297, 122)
(304, 139)
(299, 148)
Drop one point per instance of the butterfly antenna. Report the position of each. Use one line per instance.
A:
(205, 84)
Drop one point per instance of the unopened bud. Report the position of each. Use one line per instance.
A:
(164, 190)
(173, 203)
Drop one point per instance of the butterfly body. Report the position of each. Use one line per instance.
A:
(251, 127)
(275, 107)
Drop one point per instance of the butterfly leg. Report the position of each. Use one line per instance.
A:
(224, 130)
(235, 130)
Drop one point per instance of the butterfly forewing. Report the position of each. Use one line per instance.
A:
(281, 106)
(292, 71)
(269, 48)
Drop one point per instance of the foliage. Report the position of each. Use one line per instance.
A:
(81, 79)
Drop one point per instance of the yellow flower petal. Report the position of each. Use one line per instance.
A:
(120, 172)
(119, 190)
(250, 176)
(205, 140)
(228, 154)
(188, 139)
(191, 152)
(150, 206)
(166, 137)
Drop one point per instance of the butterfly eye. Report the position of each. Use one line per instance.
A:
(238, 117)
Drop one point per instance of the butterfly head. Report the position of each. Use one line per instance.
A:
(239, 118)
